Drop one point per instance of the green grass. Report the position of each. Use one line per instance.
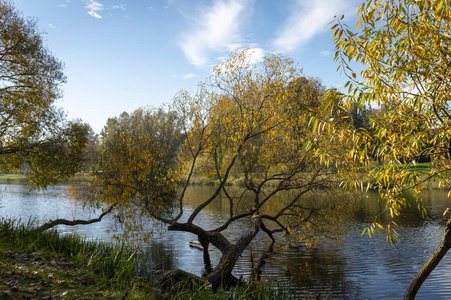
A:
(46, 264)
(22, 179)
(12, 176)
(420, 167)
(12, 179)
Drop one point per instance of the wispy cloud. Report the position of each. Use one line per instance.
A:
(216, 28)
(188, 76)
(307, 19)
(93, 7)
(121, 6)
(63, 4)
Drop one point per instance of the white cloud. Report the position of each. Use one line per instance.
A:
(94, 14)
(63, 5)
(256, 55)
(122, 6)
(253, 55)
(93, 7)
(307, 19)
(188, 76)
(324, 53)
(52, 26)
(215, 29)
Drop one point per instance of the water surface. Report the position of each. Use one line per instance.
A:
(360, 268)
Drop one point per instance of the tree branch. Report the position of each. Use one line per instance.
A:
(53, 223)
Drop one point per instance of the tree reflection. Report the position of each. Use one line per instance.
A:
(79, 193)
(314, 270)
(156, 258)
(435, 202)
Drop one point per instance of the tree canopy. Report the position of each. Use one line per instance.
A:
(33, 132)
(137, 166)
(239, 127)
(403, 51)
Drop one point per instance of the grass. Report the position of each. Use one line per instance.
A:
(12, 179)
(22, 179)
(422, 168)
(36, 265)
(49, 265)
(197, 179)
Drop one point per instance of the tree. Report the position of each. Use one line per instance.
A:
(92, 147)
(306, 94)
(236, 124)
(403, 48)
(33, 133)
(136, 171)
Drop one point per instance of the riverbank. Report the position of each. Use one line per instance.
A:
(200, 180)
(12, 179)
(80, 178)
(49, 266)
(43, 275)
(22, 179)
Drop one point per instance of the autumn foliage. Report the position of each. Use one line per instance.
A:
(34, 135)
(248, 122)
(403, 52)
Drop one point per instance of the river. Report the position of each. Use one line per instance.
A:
(359, 268)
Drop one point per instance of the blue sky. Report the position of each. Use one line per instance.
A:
(120, 55)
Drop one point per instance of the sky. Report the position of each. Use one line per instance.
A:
(121, 55)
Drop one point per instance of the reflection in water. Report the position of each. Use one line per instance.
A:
(360, 268)
(157, 258)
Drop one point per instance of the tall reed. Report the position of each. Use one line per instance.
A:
(122, 263)
(112, 260)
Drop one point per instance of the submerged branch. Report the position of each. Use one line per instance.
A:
(257, 270)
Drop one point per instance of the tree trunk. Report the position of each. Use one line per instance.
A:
(207, 261)
(172, 281)
(222, 273)
(430, 264)
(221, 276)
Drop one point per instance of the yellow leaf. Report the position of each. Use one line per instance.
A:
(439, 7)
